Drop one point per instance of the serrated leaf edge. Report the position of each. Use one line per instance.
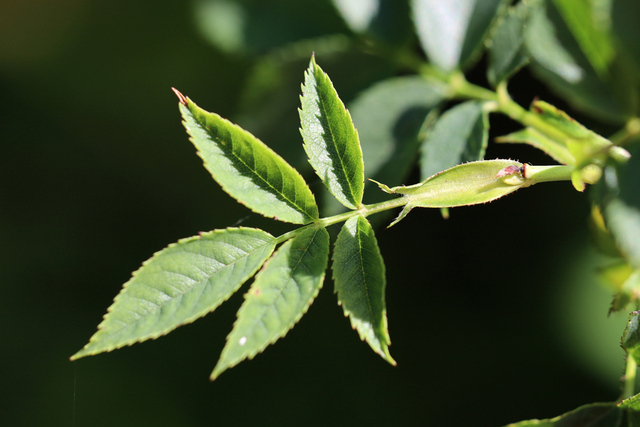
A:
(83, 352)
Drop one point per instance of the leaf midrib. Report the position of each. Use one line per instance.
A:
(291, 203)
(322, 103)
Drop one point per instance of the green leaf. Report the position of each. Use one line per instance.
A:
(253, 27)
(622, 207)
(389, 117)
(386, 20)
(631, 336)
(591, 415)
(246, 168)
(330, 139)
(359, 276)
(628, 292)
(632, 403)
(459, 136)
(557, 151)
(506, 51)
(179, 284)
(281, 293)
(452, 32)
(624, 17)
(269, 100)
(588, 22)
(557, 58)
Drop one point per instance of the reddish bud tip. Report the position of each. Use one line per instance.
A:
(181, 97)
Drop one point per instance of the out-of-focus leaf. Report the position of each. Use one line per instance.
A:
(269, 100)
(506, 53)
(628, 292)
(592, 415)
(254, 26)
(359, 276)
(624, 16)
(589, 23)
(247, 169)
(179, 284)
(386, 20)
(622, 207)
(632, 403)
(452, 31)
(389, 116)
(358, 14)
(280, 295)
(459, 136)
(557, 58)
(530, 136)
(330, 139)
(631, 336)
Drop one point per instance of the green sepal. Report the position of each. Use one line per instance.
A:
(463, 185)
(246, 168)
(179, 284)
(530, 136)
(330, 138)
(280, 295)
(588, 149)
(359, 277)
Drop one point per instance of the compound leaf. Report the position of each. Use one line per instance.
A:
(179, 284)
(359, 276)
(330, 139)
(452, 31)
(281, 293)
(246, 168)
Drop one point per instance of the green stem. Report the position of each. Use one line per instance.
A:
(629, 132)
(463, 89)
(536, 174)
(365, 211)
(629, 378)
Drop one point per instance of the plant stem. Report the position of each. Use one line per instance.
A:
(629, 132)
(365, 211)
(463, 89)
(536, 174)
(629, 379)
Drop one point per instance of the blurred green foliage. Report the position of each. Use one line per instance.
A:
(98, 174)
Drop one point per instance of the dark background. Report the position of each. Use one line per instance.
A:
(494, 314)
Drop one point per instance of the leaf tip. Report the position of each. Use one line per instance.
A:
(387, 356)
(181, 98)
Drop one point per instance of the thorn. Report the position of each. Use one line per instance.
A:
(181, 97)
